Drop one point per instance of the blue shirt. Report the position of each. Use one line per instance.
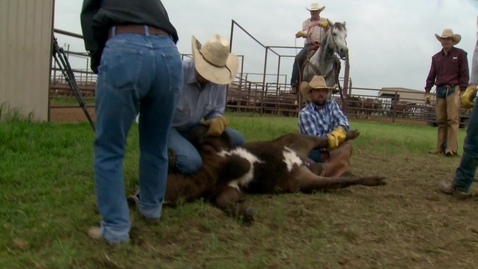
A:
(319, 122)
(196, 103)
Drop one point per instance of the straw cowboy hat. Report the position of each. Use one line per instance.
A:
(315, 7)
(448, 33)
(213, 61)
(316, 83)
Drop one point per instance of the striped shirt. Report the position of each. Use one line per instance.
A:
(319, 122)
(197, 103)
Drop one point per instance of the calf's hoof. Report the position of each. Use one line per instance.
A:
(352, 134)
(373, 181)
(250, 212)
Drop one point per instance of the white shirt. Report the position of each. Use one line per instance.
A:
(313, 31)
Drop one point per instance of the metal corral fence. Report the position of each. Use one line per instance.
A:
(250, 92)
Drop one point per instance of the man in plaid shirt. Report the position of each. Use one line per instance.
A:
(323, 117)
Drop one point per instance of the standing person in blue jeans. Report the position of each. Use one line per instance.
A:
(133, 51)
(203, 97)
(459, 187)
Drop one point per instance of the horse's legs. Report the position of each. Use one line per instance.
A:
(306, 181)
(232, 201)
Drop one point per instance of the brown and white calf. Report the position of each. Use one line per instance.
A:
(275, 166)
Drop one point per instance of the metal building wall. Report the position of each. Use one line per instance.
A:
(25, 55)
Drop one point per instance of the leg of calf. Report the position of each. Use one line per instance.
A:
(232, 201)
(338, 161)
(306, 181)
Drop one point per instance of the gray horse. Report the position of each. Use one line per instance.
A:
(324, 61)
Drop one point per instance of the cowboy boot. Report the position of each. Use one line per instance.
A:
(441, 140)
(448, 188)
(293, 90)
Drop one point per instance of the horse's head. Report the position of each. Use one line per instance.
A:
(339, 39)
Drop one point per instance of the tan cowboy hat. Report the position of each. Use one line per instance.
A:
(449, 33)
(213, 61)
(315, 7)
(316, 83)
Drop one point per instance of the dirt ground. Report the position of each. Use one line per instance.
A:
(70, 114)
(405, 224)
(76, 114)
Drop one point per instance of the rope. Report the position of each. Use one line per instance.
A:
(361, 150)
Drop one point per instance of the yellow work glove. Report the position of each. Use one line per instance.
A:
(216, 125)
(468, 96)
(427, 98)
(299, 34)
(324, 24)
(336, 137)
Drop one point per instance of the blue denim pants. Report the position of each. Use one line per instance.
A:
(315, 155)
(299, 60)
(137, 73)
(188, 160)
(465, 173)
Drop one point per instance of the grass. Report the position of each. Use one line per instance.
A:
(48, 204)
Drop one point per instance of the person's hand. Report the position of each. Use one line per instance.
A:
(324, 24)
(427, 98)
(216, 125)
(299, 34)
(468, 96)
(336, 137)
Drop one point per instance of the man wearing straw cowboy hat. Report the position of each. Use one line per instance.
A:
(449, 72)
(322, 117)
(313, 30)
(206, 77)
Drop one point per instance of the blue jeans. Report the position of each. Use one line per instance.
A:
(315, 155)
(465, 173)
(137, 73)
(299, 60)
(188, 160)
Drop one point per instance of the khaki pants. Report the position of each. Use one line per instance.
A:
(448, 120)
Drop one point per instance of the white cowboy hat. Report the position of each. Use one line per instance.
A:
(315, 7)
(316, 83)
(213, 61)
(448, 33)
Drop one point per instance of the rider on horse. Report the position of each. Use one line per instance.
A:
(313, 30)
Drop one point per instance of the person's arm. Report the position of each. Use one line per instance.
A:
(464, 71)
(474, 67)
(92, 46)
(340, 116)
(307, 124)
(431, 77)
(218, 109)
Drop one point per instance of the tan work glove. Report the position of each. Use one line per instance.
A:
(427, 98)
(299, 34)
(336, 137)
(324, 24)
(216, 125)
(468, 96)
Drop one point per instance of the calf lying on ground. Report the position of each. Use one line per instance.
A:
(275, 166)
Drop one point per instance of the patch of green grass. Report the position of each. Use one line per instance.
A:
(48, 204)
